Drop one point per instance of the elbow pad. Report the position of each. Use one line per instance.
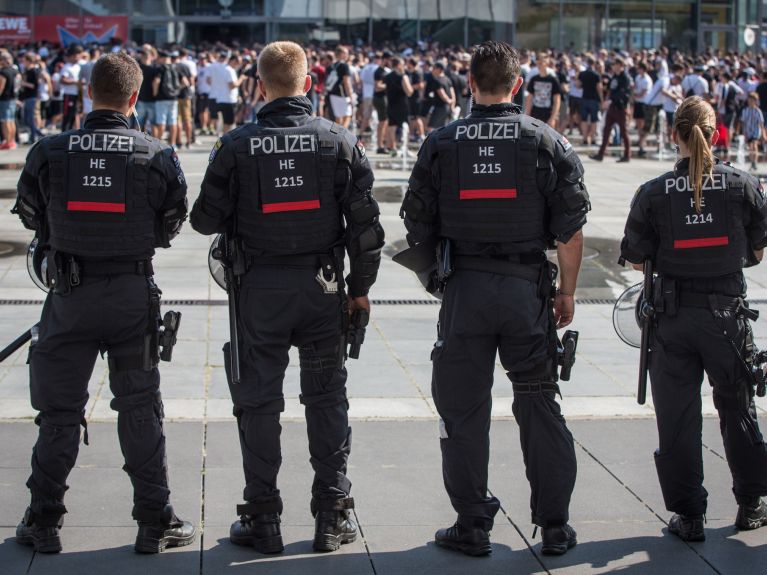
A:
(28, 215)
(363, 210)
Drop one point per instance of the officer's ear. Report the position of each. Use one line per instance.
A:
(132, 100)
(517, 85)
(261, 88)
(307, 84)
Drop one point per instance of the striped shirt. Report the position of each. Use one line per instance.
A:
(753, 121)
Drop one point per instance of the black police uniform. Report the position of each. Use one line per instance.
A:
(284, 187)
(101, 199)
(501, 186)
(701, 321)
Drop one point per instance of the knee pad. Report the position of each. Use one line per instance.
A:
(536, 380)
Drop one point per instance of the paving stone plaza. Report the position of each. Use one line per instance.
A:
(395, 463)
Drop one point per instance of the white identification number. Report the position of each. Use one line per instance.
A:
(699, 219)
(97, 181)
(288, 181)
(487, 168)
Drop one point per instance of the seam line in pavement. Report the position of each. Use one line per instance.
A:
(643, 502)
(404, 368)
(31, 560)
(207, 378)
(522, 535)
(365, 542)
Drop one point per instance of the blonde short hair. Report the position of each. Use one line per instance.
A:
(282, 68)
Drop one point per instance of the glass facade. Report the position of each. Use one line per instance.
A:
(533, 24)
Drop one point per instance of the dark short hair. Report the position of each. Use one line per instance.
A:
(495, 67)
(114, 78)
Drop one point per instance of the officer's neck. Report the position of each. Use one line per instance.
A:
(124, 110)
(492, 99)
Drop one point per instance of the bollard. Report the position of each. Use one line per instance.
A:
(741, 156)
(374, 129)
(661, 135)
(405, 138)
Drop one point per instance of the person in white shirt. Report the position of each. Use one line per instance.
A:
(204, 109)
(225, 89)
(642, 86)
(367, 76)
(70, 86)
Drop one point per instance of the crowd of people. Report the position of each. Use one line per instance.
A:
(388, 93)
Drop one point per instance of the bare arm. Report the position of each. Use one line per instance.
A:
(759, 254)
(555, 103)
(569, 256)
(348, 91)
(156, 85)
(529, 103)
(407, 86)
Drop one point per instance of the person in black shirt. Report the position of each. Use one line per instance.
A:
(761, 90)
(398, 90)
(28, 95)
(7, 101)
(414, 101)
(545, 95)
(379, 101)
(146, 99)
(620, 92)
(185, 91)
(444, 97)
(339, 87)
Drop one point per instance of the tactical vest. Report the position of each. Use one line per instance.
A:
(287, 180)
(488, 190)
(712, 243)
(99, 193)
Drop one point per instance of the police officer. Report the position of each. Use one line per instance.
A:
(283, 188)
(501, 187)
(101, 199)
(701, 224)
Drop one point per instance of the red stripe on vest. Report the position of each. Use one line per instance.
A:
(701, 243)
(95, 207)
(488, 194)
(291, 206)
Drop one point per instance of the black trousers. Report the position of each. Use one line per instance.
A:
(282, 307)
(683, 348)
(481, 313)
(107, 313)
(69, 108)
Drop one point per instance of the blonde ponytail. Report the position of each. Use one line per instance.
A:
(695, 123)
(701, 163)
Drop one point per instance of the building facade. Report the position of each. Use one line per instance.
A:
(561, 24)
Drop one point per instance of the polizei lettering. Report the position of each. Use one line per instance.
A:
(710, 182)
(487, 131)
(101, 142)
(282, 144)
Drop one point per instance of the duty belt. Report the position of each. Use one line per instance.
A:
(97, 268)
(701, 300)
(303, 260)
(505, 267)
(294, 260)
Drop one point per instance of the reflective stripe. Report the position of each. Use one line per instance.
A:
(488, 194)
(95, 207)
(291, 206)
(701, 243)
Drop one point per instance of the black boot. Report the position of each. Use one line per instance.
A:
(473, 541)
(333, 525)
(160, 529)
(557, 540)
(42, 533)
(687, 527)
(260, 531)
(751, 515)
